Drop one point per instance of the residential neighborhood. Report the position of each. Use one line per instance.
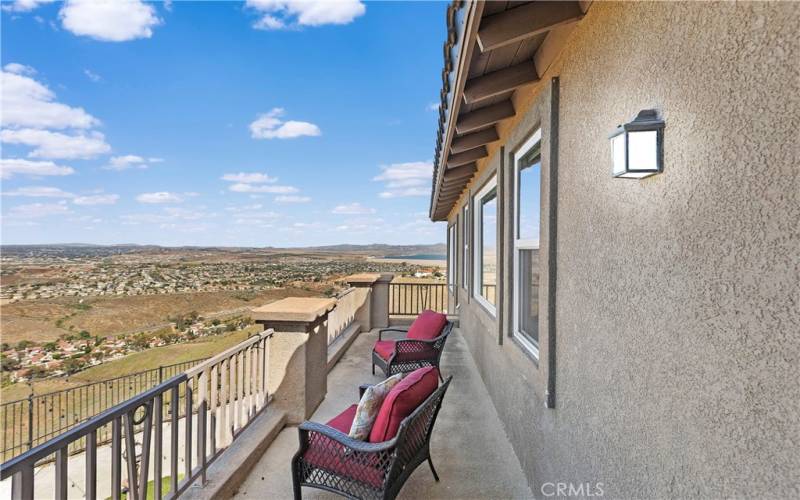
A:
(72, 353)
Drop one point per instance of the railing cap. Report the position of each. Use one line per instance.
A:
(294, 309)
(367, 279)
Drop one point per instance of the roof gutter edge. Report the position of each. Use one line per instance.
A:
(464, 23)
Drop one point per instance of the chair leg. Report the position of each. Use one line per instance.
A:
(441, 379)
(298, 495)
(435, 475)
(373, 368)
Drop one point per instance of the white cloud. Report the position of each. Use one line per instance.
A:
(37, 210)
(278, 14)
(25, 5)
(109, 20)
(159, 197)
(268, 22)
(39, 192)
(406, 179)
(292, 199)
(249, 178)
(16, 166)
(403, 193)
(182, 219)
(251, 188)
(270, 126)
(91, 75)
(434, 106)
(55, 145)
(97, 199)
(120, 163)
(29, 103)
(355, 208)
(19, 69)
(244, 208)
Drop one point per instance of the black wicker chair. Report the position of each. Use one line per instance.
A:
(410, 354)
(330, 460)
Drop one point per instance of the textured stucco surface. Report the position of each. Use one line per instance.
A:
(678, 297)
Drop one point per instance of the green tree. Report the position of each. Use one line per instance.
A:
(8, 364)
(23, 344)
(72, 365)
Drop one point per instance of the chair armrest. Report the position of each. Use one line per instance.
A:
(380, 332)
(362, 388)
(343, 439)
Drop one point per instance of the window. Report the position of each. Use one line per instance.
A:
(485, 246)
(451, 257)
(465, 245)
(527, 196)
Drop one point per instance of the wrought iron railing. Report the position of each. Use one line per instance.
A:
(220, 397)
(413, 298)
(31, 421)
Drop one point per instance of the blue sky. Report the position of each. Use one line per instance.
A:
(266, 123)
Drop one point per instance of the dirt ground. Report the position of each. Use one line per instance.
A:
(44, 320)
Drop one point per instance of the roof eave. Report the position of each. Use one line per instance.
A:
(463, 19)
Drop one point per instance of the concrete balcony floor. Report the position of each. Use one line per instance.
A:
(469, 447)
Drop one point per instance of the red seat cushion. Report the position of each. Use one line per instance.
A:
(402, 400)
(327, 454)
(385, 349)
(344, 420)
(427, 326)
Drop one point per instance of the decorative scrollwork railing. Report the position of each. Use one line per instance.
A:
(203, 410)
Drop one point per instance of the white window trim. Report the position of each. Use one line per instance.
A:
(452, 264)
(519, 244)
(465, 246)
(477, 245)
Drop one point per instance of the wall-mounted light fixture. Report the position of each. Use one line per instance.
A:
(638, 146)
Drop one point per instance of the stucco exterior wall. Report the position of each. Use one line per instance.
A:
(678, 296)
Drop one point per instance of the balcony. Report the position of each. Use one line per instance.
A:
(469, 447)
(244, 404)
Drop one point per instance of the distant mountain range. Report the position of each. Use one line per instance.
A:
(382, 249)
(375, 249)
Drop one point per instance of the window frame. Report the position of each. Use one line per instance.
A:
(465, 246)
(519, 244)
(477, 243)
(452, 252)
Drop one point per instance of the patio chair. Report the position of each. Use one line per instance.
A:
(399, 441)
(422, 346)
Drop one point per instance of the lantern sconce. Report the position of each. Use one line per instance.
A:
(638, 146)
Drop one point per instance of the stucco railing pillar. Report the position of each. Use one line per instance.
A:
(376, 315)
(298, 353)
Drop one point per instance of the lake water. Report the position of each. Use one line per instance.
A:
(419, 256)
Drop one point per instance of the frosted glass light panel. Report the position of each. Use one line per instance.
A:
(618, 150)
(643, 151)
(638, 146)
(489, 247)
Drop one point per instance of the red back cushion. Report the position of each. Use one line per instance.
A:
(427, 326)
(402, 400)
